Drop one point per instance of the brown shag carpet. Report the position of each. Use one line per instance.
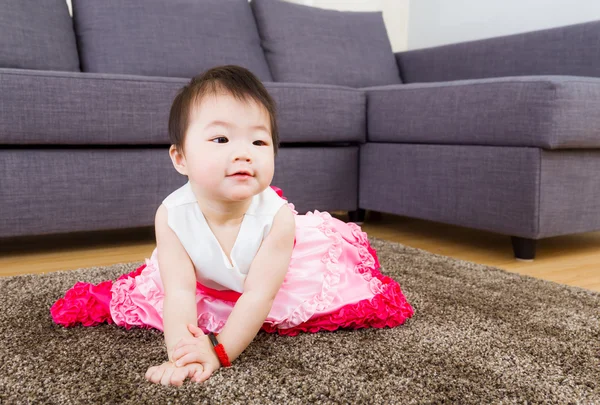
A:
(479, 335)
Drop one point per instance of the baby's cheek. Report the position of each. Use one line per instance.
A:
(267, 171)
(206, 176)
(205, 168)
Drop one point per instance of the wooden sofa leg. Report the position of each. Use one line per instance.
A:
(357, 216)
(523, 248)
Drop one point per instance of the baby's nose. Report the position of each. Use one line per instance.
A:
(243, 156)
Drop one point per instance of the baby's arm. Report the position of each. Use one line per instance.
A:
(179, 281)
(264, 279)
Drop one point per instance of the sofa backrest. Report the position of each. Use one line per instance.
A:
(311, 45)
(174, 38)
(37, 35)
(571, 50)
(182, 38)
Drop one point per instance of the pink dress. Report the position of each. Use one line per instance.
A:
(333, 280)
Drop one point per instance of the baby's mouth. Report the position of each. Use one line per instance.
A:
(241, 174)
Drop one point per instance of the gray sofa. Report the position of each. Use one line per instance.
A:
(501, 135)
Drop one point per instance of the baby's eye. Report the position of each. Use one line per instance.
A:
(220, 139)
(259, 143)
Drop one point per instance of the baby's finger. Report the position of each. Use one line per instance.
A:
(179, 353)
(178, 376)
(208, 370)
(196, 376)
(166, 377)
(186, 342)
(183, 350)
(150, 372)
(195, 330)
(193, 357)
(156, 376)
(195, 371)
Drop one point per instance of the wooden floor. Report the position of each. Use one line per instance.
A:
(572, 260)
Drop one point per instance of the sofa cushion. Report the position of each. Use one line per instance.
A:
(550, 112)
(175, 38)
(52, 190)
(110, 109)
(37, 35)
(319, 113)
(311, 45)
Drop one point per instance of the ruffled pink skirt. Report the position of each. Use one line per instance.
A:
(333, 281)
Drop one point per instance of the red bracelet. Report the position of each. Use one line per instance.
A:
(220, 349)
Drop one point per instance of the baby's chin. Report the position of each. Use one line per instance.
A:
(240, 192)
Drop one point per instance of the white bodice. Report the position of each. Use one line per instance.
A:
(212, 266)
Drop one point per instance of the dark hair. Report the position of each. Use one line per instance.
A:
(236, 80)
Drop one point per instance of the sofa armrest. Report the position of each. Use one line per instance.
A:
(572, 50)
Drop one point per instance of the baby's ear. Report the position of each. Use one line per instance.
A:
(178, 160)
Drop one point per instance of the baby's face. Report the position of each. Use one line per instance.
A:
(228, 148)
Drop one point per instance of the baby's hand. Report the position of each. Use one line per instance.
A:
(169, 374)
(194, 350)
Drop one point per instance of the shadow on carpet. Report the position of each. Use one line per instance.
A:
(479, 335)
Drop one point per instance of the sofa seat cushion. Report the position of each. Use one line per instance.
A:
(37, 35)
(175, 38)
(312, 45)
(549, 112)
(319, 113)
(60, 108)
(86, 189)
